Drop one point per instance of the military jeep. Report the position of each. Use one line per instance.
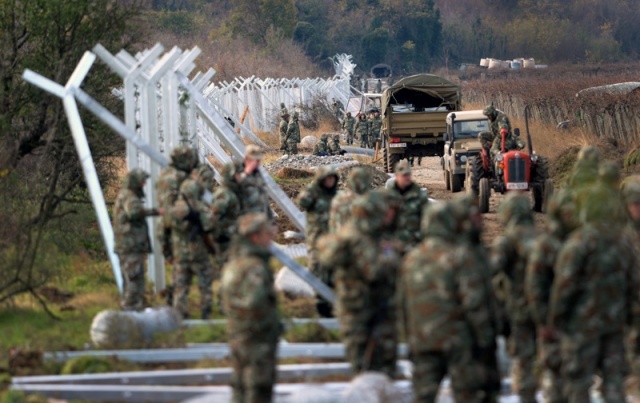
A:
(461, 143)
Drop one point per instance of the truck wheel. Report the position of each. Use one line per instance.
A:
(484, 193)
(475, 172)
(392, 160)
(447, 181)
(455, 183)
(385, 163)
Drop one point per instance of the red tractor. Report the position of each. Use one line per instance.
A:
(510, 170)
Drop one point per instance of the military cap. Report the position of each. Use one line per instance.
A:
(489, 110)
(135, 178)
(254, 152)
(184, 158)
(403, 167)
(253, 223)
(630, 188)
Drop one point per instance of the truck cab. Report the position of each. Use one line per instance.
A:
(460, 144)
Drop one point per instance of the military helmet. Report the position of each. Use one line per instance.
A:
(325, 171)
(191, 189)
(184, 158)
(630, 188)
(516, 209)
(403, 167)
(252, 223)
(489, 110)
(324, 137)
(359, 180)
(135, 179)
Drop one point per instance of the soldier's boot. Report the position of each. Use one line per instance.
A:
(419, 161)
(206, 313)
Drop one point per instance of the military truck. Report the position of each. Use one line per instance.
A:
(460, 144)
(414, 112)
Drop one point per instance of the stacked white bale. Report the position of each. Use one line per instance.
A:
(128, 329)
(308, 141)
(484, 62)
(505, 64)
(494, 64)
(515, 64)
(530, 63)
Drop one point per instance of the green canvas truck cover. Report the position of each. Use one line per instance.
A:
(422, 90)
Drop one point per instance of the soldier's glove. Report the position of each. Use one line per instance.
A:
(547, 334)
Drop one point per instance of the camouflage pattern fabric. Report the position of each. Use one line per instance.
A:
(415, 201)
(375, 125)
(131, 234)
(348, 124)
(315, 200)
(511, 142)
(334, 145)
(253, 194)
(362, 131)
(293, 136)
(447, 305)
(321, 148)
(205, 177)
(498, 120)
(183, 160)
(191, 221)
(284, 125)
(365, 266)
(594, 297)
(337, 107)
(358, 183)
(253, 325)
(283, 109)
(585, 169)
(510, 253)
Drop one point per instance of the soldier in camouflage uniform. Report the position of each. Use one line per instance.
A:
(321, 149)
(594, 297)
(362, 130)
(585, 169)
(253, 191)
(510, 253)
(315, 200)
(365, 264)
(183, 160)
(414, 202)
(511, 142)
(375, 125)
(283, 109)
(348, 125)
(334, 145)
(192, 225)
(293, 135)
(447, 306)
(205, 177)
(284, 125)
(132, 244)
(250, 303)
(497, 122)
(561, 216)
(358, 183)
(337, 108)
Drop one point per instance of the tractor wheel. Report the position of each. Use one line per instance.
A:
(475, 172)
(538, 197)
(392, 160)
(484, 193)
(447, 180)
(540, 176)
(541, 171)
(455, 183)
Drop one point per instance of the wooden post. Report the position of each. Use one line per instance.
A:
(242, 117)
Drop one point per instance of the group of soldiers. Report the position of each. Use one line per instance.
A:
(289, 131)
(367, 130)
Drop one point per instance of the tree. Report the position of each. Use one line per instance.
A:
(254, 18)
(42, 186)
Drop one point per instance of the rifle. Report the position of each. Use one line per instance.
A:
(196, 230)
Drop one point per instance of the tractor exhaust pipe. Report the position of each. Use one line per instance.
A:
(527, 111)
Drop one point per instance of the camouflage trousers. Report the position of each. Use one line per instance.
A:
(582, 358)
(522, 348)
(486, 139)
(254, 368)
(550, 363)
(183, 273)
(467, 375)
(291, 147)
(368, 349)
(350, 136)
(492, 384)
(364, 141)
(133, 272)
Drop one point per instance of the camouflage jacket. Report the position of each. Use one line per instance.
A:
(340, 212)
(168, 188)
(447, 298)
(362, 128)
(315, 200)
(284, 125)
(349, 123)
(365, 271)
(509, 259)
(293, 131)
(253, 195)
(334, 147)
(375, 125)
(249, 298)
(321, 147)
(512, 142)
(595, 291)
(539, 276)
(226, 210)
(130, 223)
(410, 215)
(186, 236)
(501, 122)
